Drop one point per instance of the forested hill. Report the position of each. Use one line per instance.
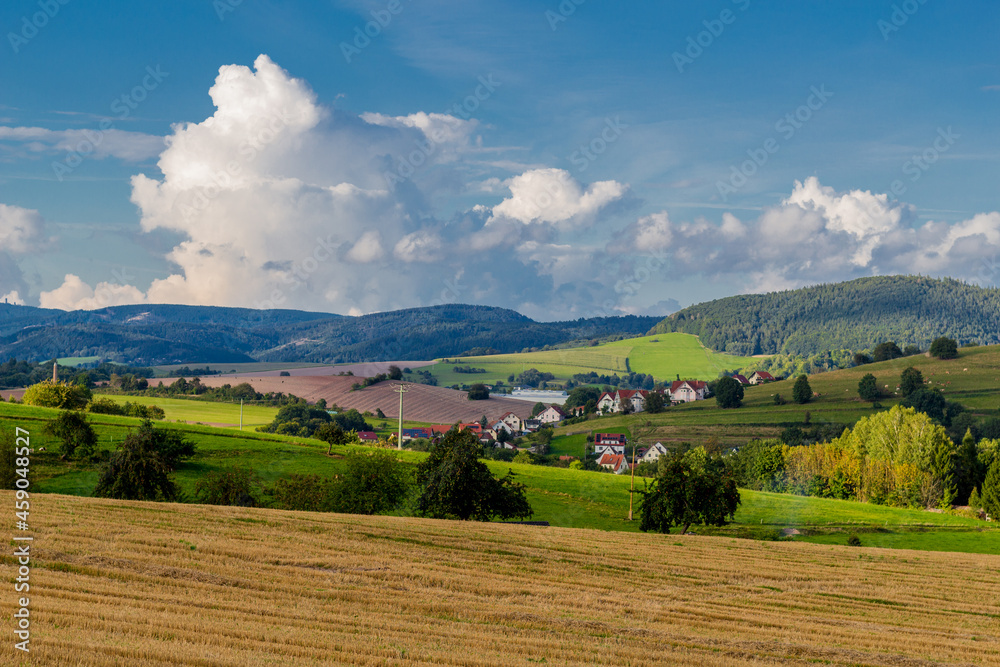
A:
(161, 334)
(853, 315)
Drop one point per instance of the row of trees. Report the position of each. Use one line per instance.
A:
(899, 457)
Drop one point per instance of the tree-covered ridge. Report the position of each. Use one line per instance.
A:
(164, 334)
(854, 315)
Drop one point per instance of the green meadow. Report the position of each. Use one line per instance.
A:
(664, 356)
(561, 496)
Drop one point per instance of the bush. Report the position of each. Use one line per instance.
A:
(74, 433)
(304, 493)
(944, 348)
(60, 395)
(8, 459)
(854, 541)
(233, 486)
(479, 392)
(139, 469)
(779, 400)
(375, 482)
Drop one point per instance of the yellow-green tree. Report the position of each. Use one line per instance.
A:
(49, 394)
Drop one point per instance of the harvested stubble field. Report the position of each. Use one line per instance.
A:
(423, 403)
(119, 583)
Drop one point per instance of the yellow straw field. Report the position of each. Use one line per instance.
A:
(141, 584)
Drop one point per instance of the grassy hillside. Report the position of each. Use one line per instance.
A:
(663, 356)
(206, 412)
(972, 380)
(563, 497)
(144, 584)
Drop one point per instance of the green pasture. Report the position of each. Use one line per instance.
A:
(561, 496)
(664, 356)
(205, 412)
(76, 361)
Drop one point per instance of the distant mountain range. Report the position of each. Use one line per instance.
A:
(852, 315)
(166, 334)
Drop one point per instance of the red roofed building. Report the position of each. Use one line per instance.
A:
(685, 391)
(613, 462)
(551, 415)
(760, 377)
(742, 380)
(367, 436)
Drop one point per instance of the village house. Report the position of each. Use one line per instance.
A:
(551, 415)
(612, 402)
(760, 377)
(513, 421)
(653, 454)
(742, 380)
(609, 442)
(532, 425)
(685, 391)
(614, 462)
(367, 437)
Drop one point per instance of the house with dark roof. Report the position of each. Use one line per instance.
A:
(760, 377)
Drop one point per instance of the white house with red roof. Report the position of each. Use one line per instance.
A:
(551, 415)
(609, 442)
(513, 421)
(742, 380)
(760, 377)
(685, 391)
(613, 462)
(367, 437)
(606, 403)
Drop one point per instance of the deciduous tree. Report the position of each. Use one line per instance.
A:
(682, 495)
(801, 391)
(456, 484)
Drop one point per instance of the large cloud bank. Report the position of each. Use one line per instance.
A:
(283, 202)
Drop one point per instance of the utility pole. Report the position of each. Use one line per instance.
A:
(241, 414)
(631, 491)
(400, 389)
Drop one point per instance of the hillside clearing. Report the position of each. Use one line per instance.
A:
(154, 584)
(664, 356)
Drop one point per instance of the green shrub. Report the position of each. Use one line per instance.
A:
(854, 541)
(232, 486)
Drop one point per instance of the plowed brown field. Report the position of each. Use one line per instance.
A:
(421, 403)
(139, 584)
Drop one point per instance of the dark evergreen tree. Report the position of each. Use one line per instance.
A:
(801, 391)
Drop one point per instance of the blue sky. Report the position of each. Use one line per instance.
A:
(620, 158)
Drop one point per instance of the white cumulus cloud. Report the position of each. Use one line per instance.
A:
(553, 196)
